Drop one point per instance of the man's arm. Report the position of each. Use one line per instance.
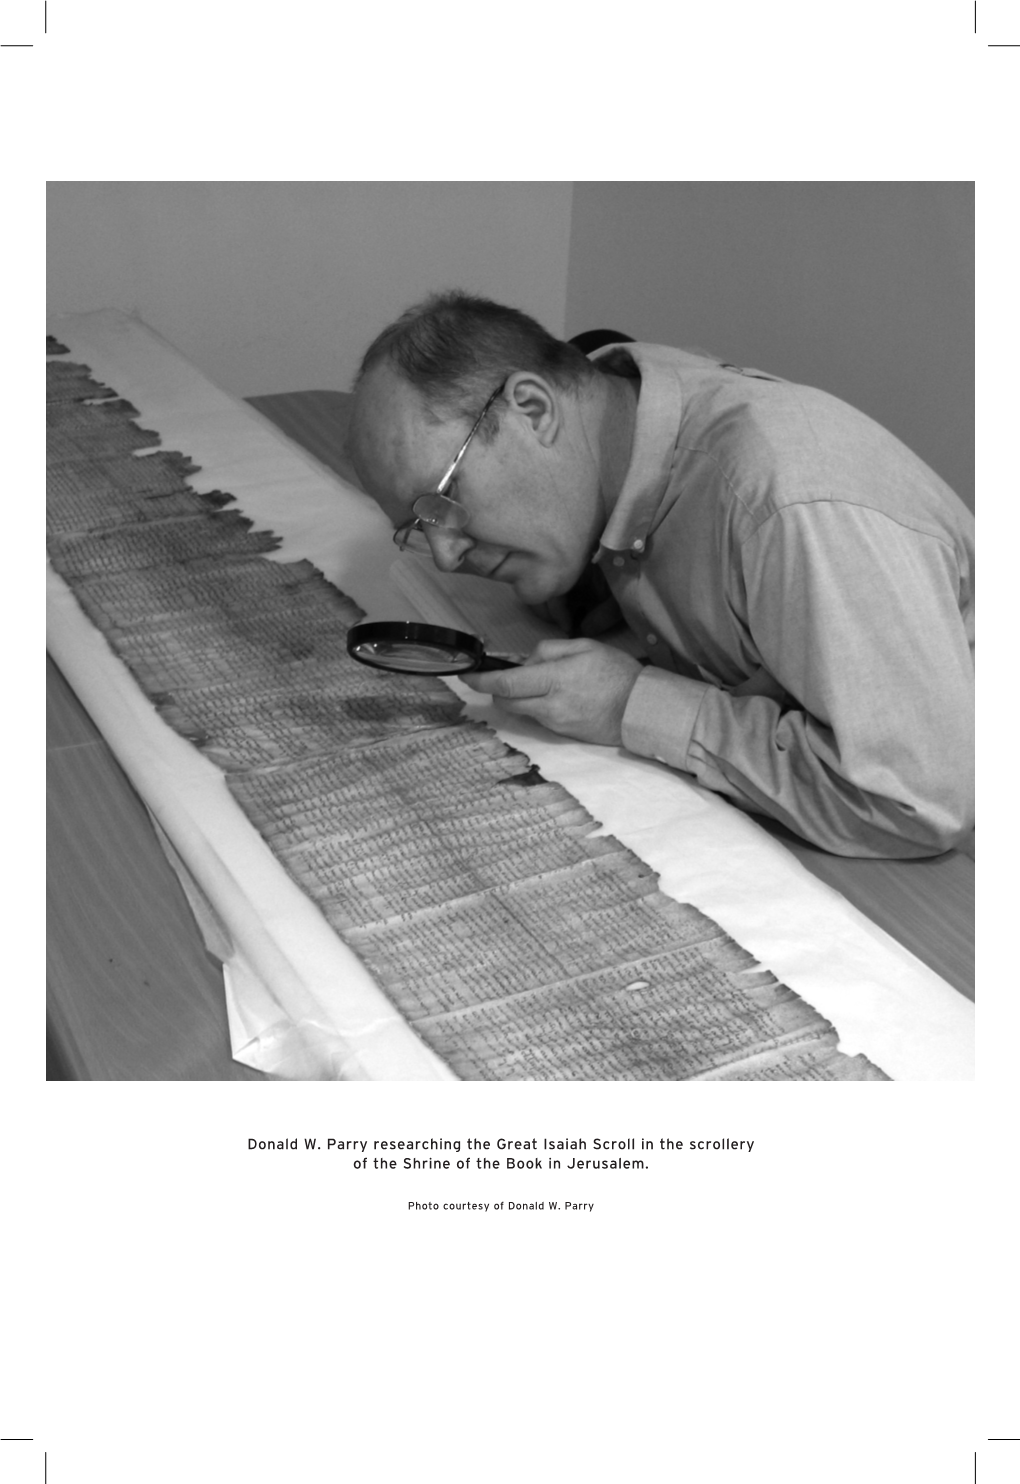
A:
(857, 618)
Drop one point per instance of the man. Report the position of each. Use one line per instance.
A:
(800, 582)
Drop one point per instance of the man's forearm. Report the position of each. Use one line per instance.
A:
(782, 762)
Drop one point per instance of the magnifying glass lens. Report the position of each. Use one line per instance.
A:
(413, 658)
(420, 649)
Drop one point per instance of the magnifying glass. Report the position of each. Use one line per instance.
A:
(420, 649)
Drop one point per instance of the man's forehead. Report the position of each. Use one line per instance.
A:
(391, 425)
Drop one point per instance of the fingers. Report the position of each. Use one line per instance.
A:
(573, 686)
(534, 677)
(558, 649)
(524, 681)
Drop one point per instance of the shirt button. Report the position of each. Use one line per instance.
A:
(652, 638)
(617, 561)
(637, 545)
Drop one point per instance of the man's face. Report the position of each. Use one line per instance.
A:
(531, 496)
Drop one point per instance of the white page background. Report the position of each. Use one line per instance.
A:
(839, 1305)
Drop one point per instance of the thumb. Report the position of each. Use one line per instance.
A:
(558, 649)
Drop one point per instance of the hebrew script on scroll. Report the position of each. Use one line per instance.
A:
(515, 941)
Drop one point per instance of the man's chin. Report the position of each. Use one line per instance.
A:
(530, 587)
(527, 591)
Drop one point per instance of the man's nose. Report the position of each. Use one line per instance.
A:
(449, 548)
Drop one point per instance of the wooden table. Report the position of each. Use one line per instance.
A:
(132, 992)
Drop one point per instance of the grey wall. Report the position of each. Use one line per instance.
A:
(865, 289)
(278, 286)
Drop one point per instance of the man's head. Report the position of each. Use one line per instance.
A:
(530, 481)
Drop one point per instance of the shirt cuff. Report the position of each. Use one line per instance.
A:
(660, 714)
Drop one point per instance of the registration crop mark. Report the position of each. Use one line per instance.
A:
(999, 1462)
(17, 1457)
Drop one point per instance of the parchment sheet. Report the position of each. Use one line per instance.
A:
(300, 1003)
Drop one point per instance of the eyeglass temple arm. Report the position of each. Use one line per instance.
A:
(444, 483)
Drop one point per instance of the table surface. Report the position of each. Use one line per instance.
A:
(132, 992)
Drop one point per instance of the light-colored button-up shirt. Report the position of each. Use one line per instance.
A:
(803, 584)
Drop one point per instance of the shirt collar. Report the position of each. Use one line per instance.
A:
(655, 433)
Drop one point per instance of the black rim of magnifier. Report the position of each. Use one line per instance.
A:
(415, 633)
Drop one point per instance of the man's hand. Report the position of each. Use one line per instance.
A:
(573, 686)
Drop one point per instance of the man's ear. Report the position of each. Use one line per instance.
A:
(537, 402)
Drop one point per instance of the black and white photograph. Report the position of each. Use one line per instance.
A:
(562, 675)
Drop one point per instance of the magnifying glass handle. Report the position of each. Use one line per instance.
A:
(495, 662)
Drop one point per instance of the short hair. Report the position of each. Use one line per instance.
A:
(456, 349)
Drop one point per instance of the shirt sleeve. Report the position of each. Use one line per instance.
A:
(870, 753)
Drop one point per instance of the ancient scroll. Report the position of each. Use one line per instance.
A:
(517, 943)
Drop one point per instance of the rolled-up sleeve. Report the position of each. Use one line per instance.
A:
(870, 751)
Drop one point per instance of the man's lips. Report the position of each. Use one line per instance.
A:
(491, 572)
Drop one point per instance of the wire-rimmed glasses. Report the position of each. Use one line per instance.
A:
(439, 509)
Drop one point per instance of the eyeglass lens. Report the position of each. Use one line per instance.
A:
(440, 510)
